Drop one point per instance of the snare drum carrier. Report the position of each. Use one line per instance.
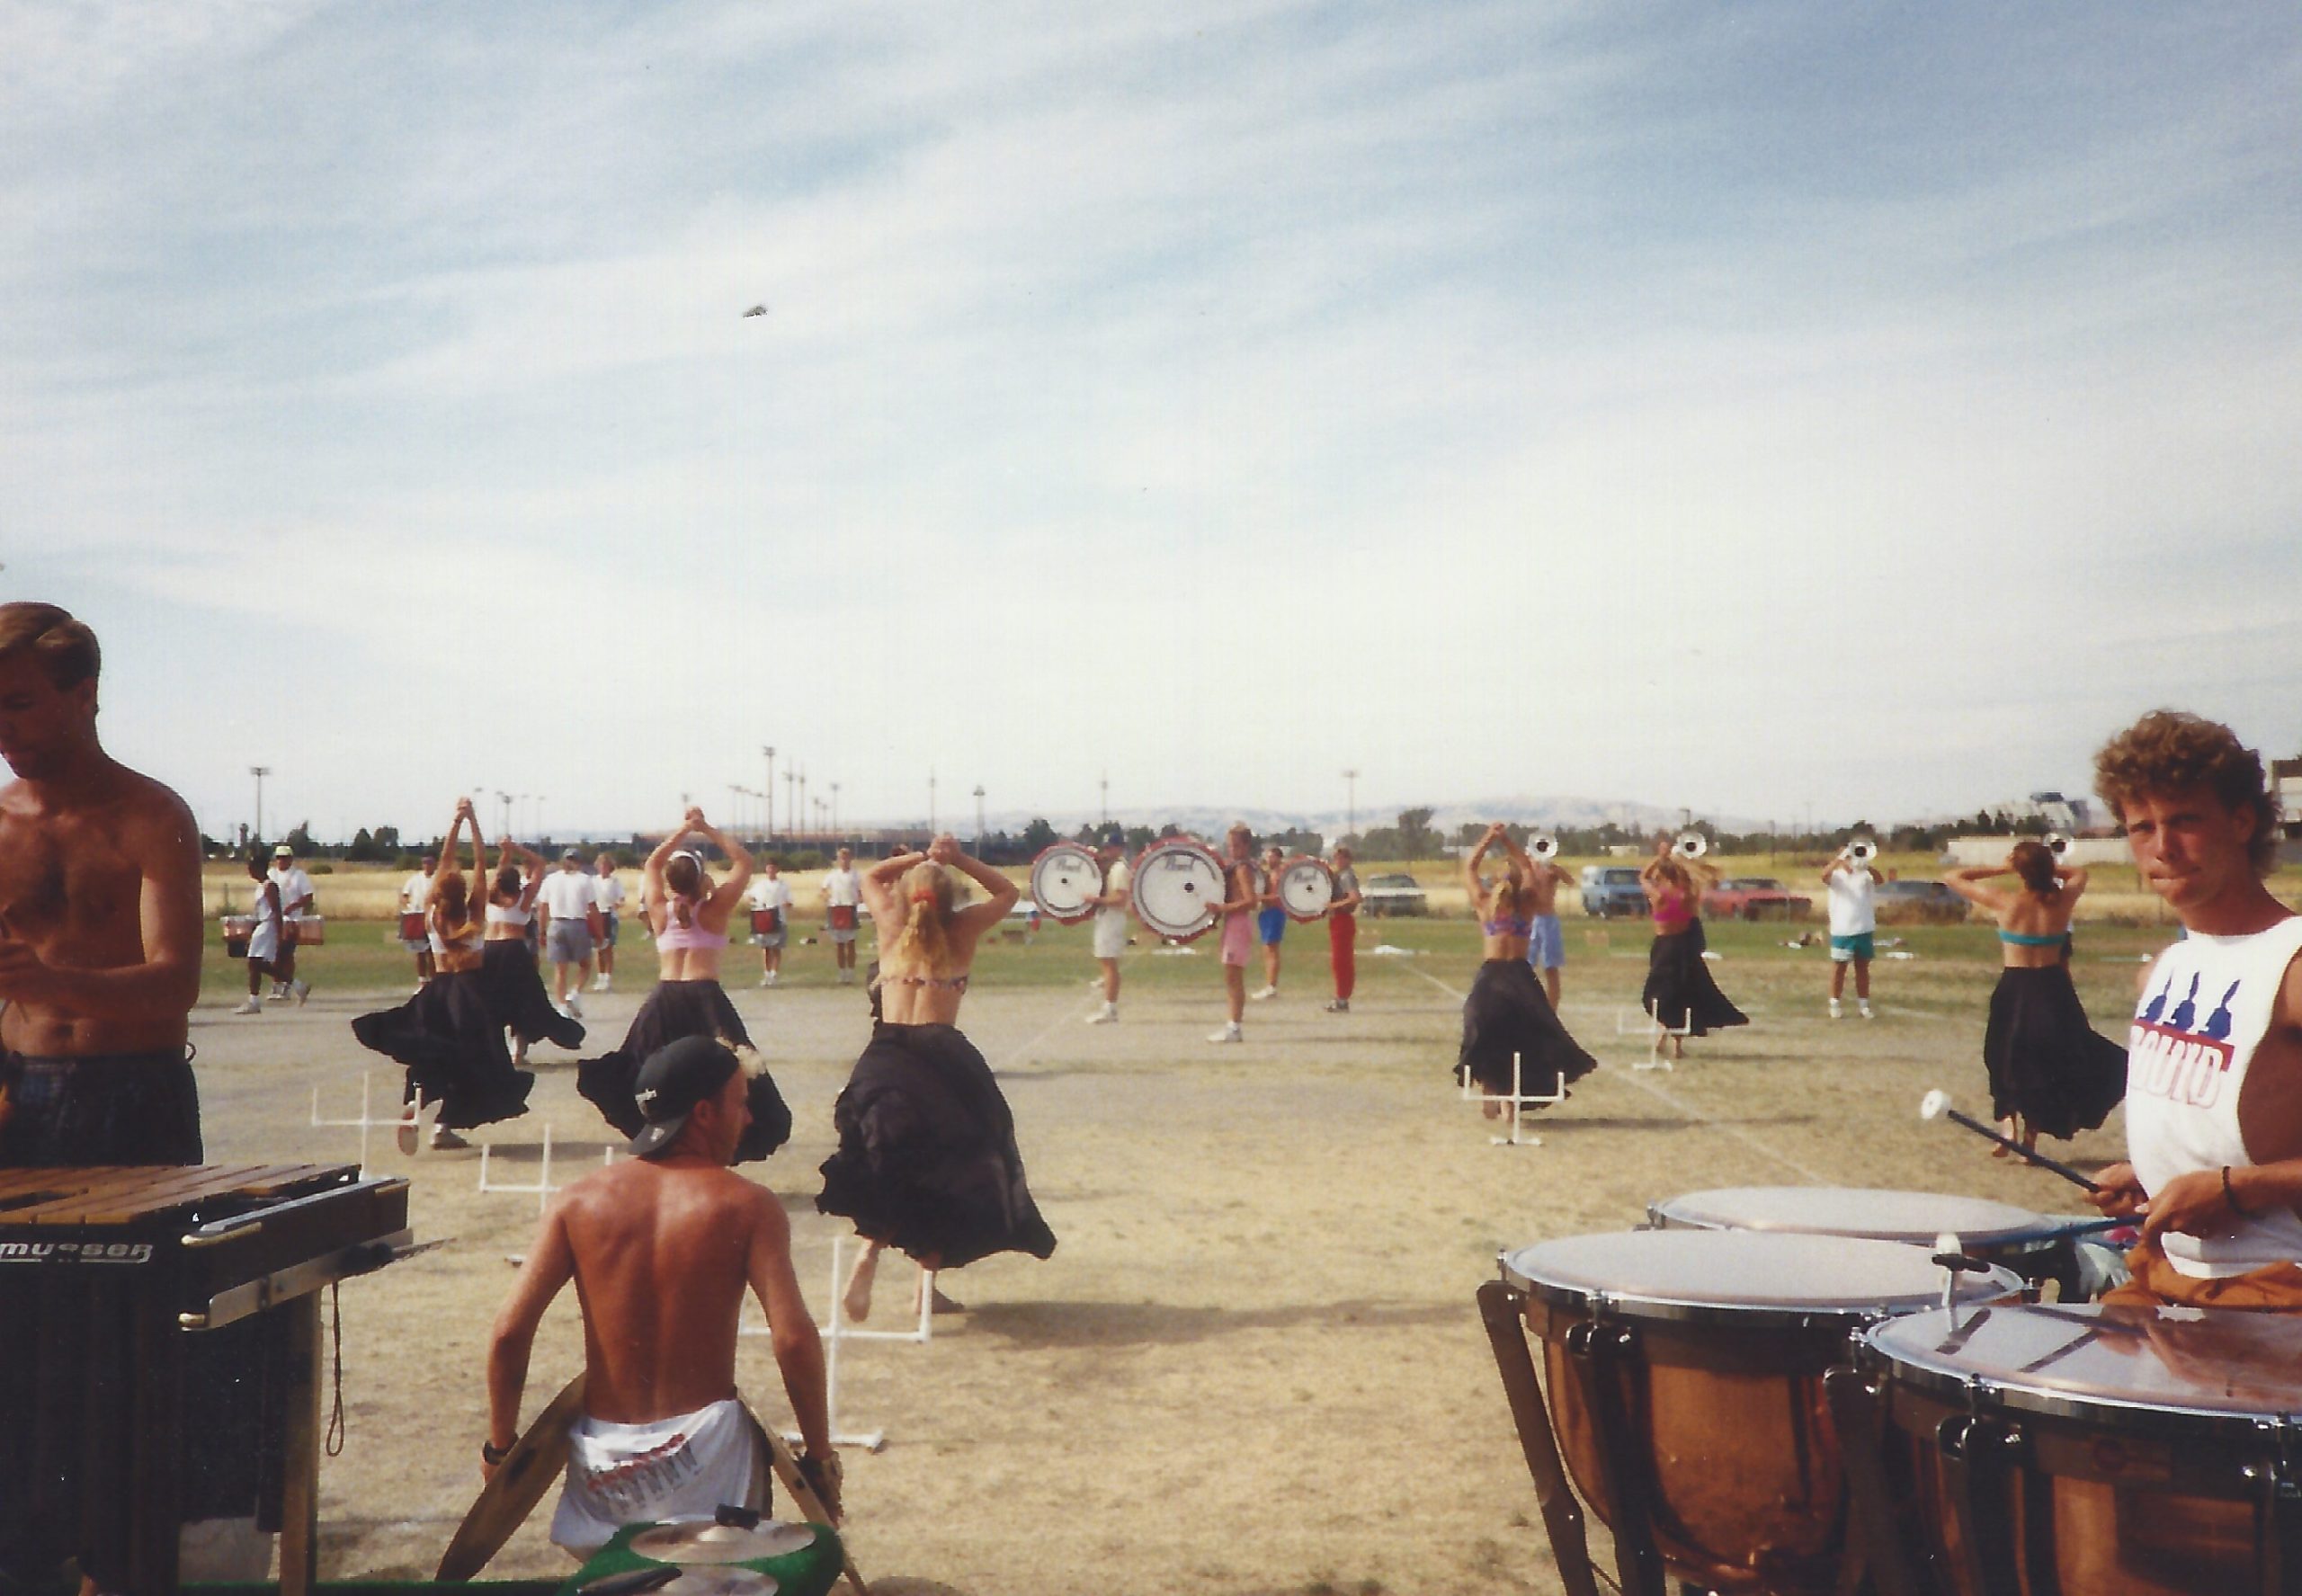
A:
(2090, 1450)
(2034, 1247)
(1684, 1370)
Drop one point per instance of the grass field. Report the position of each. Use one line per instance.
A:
(1254, 1365)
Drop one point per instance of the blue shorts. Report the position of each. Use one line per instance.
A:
(1545, 948)
(1847, 950)
(1271, 924)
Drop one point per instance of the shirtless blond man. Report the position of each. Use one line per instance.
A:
(665, 1244)
(1545, 943)
(100, 922)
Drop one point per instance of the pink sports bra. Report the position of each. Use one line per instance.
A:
(1671, 911)
(675, 937)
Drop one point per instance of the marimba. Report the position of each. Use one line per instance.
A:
(139, 1303)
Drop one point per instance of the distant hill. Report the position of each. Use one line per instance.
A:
(1331, 824)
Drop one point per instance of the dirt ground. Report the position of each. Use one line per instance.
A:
(1253, 1365)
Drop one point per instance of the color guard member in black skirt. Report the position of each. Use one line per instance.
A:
(688, 914)
(1507, 1016)
(510, 975)
(1679, 994)
(927, 1161)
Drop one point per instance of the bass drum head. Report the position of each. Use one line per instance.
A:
(1178, 888)
(1306, 888)
(1064, 879)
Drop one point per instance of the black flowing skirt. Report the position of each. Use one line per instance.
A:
(1507, 1013)
(2045, 1062)
(452, 1043)
(513, 983)
(927, 1161)
(1680, 992)
(677, 1009)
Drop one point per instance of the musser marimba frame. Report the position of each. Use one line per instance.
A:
(139, 1303)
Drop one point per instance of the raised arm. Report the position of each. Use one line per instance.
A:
(1471, 882)
(879, 883)
(2074, 878)
(1966, 881)
(1000, 894)
(652, 896)
(730, 891)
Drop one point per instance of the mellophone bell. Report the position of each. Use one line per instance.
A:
(117, 1285)
(1763, 1410)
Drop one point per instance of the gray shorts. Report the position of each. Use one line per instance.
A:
(568, 941)
(609, 921)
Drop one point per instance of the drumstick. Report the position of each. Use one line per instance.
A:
(1936, 1104)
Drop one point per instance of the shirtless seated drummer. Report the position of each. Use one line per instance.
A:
(664, 1244)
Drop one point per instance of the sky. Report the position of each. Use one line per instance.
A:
(1769, 409)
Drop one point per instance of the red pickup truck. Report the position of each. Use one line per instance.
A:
(1753, 897)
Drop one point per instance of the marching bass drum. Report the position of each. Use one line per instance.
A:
(1306, 888)
(1178, 888)
(1066, 880)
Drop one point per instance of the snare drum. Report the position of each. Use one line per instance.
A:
(237, 931)
(2031, 1245)
(1684, 1373)
(2095, 1451)
(411, 927)
(766, 922)
(1306, 888)
(1178, 885)
(1066, 880)
(842, 917)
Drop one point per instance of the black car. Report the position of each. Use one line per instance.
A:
(1393, 895)
(1906, 901)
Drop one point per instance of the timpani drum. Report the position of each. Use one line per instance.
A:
(1066, 880)
(2034, 1247)
(1684, 1373)
(2091, 1451)
(1178, 888)
(1306, 888)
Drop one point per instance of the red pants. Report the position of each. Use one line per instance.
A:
(1343, 953)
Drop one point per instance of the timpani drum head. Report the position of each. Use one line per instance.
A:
(1065, 880)
(1748, 1276)
(2138, 1369)
(1306, 888)
(1912, 1217)
(1178, 888)
(705, 1542)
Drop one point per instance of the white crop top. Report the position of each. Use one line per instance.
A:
(502, 914)
(2203, 1013)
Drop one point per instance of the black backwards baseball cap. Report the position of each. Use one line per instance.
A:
(676, 1077)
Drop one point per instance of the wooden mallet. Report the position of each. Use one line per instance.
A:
(1936, 1105)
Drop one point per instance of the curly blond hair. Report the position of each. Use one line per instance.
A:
(2168, 749)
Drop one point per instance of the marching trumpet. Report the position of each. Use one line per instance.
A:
(1543, 845)
(1692, 845)
(1861, 851)
(2058, 844)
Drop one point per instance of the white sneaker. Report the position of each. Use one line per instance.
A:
(599, 983)
(303, 991)
(1257, 996)
(770, 978)
(574, 1006)
(1229, 1033)
(1106, 1015)
(1836, 1012)
(765, 982)
(252, 1006)
(1864, 1010)
(1341, 1005)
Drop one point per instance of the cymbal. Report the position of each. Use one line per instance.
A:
(722, 1582)
(708, 1543)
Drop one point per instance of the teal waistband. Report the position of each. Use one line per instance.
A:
(2023, 940)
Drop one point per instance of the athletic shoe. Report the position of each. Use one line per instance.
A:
(406, 1135)
(1229, 1033)
(765, 982)
(1258, 996)
(303, 991)
(250, 1007)
(574, 1006)
(770, 978)
(1341, 1005)
(1837, 1012)
(445, 1140)
(1865, 1009)
(1106, 1015)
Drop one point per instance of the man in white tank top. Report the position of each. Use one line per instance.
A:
(2214, 1071)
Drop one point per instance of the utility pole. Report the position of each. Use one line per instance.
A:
(931, 801)
(1350, 804)
(770, 795)
(790, 805)
(539, 831)
(978, 820)
(1107, 797)
(505, 798)
(835, 807)
(804, 809)
(259, 772)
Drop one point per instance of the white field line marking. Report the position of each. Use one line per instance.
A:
(1685, 1109)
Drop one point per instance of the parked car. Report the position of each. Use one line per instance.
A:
(1753, 897)
(1393, 895)
(1905, 901)
(1608, 890)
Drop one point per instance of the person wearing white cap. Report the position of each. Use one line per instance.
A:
(663, 1433)
(295, 903)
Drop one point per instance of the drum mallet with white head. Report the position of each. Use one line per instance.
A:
(1936, 1105)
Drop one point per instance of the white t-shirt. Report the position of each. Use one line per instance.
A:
(1116, 884)
(842, 888)
(414, 892)
(1852, 911)
(608, 894)
(569, 895)
(769, 894)
(293, 884)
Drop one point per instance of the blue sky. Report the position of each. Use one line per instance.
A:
(1745, 408)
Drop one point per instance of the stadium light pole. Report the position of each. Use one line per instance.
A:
(540, 832)
(804, 806)
(835, 807)
(259, 772)
(1106, 784)
(978, 820)
(1350, 805)
(931, 801)
(768, 831)
(791, 806)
